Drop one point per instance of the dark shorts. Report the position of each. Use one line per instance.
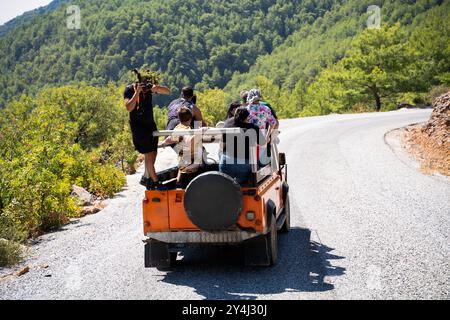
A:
(143, 138)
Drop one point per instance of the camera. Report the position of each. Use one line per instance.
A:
(146, 79)
(146, 86)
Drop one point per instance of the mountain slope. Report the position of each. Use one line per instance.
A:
(192, 41)
(29, 16)
(305, 53)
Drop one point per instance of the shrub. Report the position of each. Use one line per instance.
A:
(65, 136)
(10, 253)
(10, 237)
(212, 102)
(106, 180)
(436, 92)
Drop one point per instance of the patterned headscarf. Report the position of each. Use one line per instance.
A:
(254, 95)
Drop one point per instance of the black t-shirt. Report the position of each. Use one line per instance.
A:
(251, 138)
(144, 110)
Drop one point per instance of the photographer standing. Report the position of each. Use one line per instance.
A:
(138, 101)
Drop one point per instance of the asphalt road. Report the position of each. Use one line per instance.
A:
(366, 225)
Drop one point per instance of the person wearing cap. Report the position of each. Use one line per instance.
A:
(186, 100)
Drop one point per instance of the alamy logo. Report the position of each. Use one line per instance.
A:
(374, 21)
(74, 18)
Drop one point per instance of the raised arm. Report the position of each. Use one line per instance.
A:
(161, 90)
(130, 103)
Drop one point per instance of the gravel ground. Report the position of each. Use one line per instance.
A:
(366, 225)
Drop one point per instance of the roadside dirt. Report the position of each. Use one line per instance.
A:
(429, 143)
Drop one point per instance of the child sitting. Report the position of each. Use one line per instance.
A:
(188, 147)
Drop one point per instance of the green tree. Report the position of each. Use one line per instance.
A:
(212, 103)
(431, 41)
(332, 92)
(379, 65)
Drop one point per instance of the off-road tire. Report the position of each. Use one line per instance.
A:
(287, 212)
(272, 241)
(173, 258)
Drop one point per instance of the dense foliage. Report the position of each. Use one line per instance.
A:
(192, 41)
(326, 67)
(64, 136)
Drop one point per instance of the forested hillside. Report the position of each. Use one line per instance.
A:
(202, 43)
(192, 42)
(29, 15)
(298, 72)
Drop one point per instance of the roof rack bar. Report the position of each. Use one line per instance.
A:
(207, 132)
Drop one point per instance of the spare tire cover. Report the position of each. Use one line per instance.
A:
(213, 201)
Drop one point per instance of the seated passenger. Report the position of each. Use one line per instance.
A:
(235, 158)
(257, 93)
(244, 96)
(230, 113)
(188, 100)
(262, 116)
(232, 109)
(188, 147)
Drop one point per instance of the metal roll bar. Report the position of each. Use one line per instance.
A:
(204, 132)
(260, 174)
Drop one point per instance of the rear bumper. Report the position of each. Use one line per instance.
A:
(203, 237)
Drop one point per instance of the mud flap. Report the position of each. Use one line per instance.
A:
(157, 255)
(256, 252)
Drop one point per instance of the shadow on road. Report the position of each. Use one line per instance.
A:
(218, 272)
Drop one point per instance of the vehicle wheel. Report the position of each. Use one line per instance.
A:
(173, 258)
(286, 211)
(262, 251)
(172, 262)
(272, 242)
(157, 255)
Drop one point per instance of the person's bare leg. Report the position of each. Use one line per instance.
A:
(150, 172)
(145, 167)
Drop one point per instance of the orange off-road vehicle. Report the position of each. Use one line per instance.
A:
(215, 209)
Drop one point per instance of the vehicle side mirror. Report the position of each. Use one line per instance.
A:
(282, 159)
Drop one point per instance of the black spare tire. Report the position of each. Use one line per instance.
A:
(213, 201)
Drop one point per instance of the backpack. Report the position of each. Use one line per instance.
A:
(176, 105)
